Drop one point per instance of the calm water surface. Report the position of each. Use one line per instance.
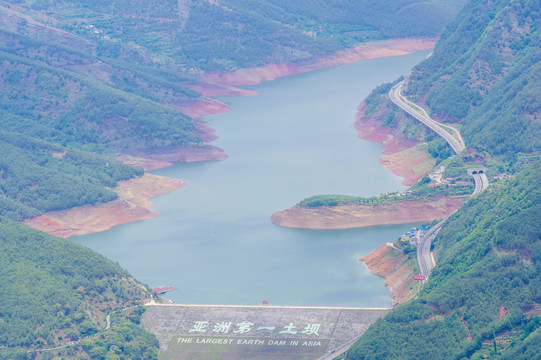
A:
(214, 241)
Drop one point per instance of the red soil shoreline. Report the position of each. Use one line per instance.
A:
(392, 265)
(137, 206)
(401, 155)
(354, 216)
(370, 50)
(133, 204)
(226, 83)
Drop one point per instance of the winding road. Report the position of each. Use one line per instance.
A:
(454, 139)
(481, 183)
(423, 250)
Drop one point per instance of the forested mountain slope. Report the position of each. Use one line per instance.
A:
(37, 176)
(228, 34)
(486, 285)
(82, 81)
(485, 73)
(107, 77)
(55, 292)
(484, 76)
(483, 298)
(87, 101)
(62, 112)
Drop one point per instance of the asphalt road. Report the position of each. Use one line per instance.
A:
(478, 184)
(423, 250)
(395, 94)
(339, 351)
(481, 183)
(457, 144)
(484, 180)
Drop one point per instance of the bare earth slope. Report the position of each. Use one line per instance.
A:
(352, 216)
(392, 265)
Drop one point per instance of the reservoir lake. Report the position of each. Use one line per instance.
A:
(214, 241)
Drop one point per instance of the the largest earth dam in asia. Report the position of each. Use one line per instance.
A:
(214, 241)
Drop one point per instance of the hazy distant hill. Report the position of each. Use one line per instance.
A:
(227, 34)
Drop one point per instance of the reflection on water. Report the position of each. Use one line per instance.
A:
(214, 241)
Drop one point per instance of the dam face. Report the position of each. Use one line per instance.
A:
(231, 332)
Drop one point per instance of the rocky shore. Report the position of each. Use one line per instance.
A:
(405, 158)
(397, 270)
(353, 215)
(133, 204)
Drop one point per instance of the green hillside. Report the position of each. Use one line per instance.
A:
(55, 292)
(96, 78)
(102, 109)
(228, 34)
(483, 77)
(483, 297)
(65, 112)
(485, 74)
(485, 289)
(37, 176)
